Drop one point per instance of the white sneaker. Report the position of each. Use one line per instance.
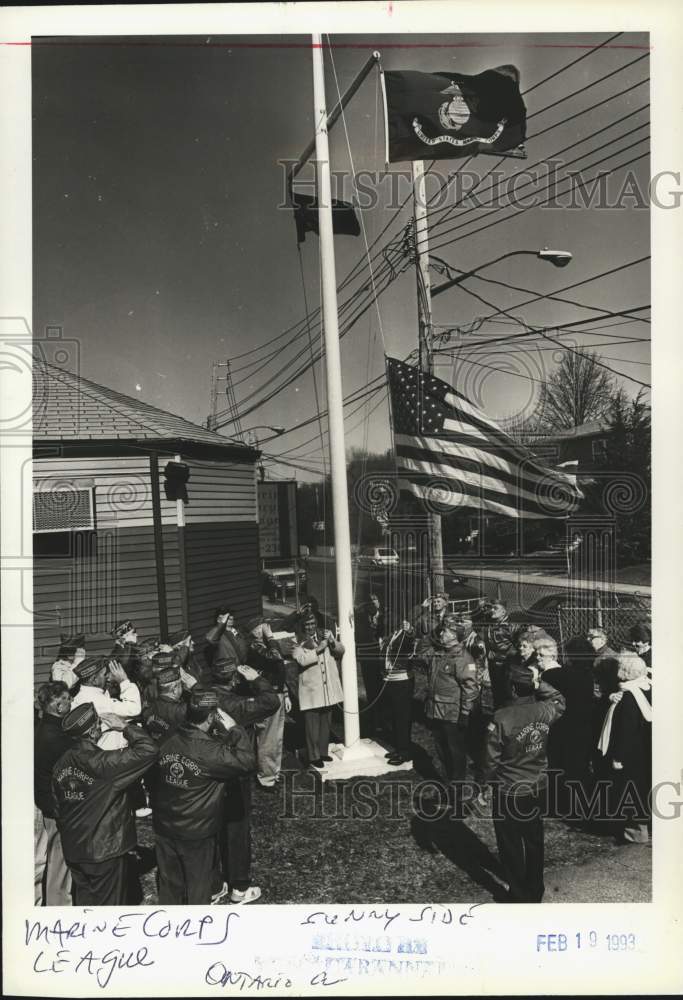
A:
(143, 811)
(219, 896)
(246, 896)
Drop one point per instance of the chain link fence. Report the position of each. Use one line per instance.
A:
(616, 621)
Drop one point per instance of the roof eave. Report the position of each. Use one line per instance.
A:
(131, 445)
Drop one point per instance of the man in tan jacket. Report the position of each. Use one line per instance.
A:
(319, 687)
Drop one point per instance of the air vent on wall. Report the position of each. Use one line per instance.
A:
(63, 510)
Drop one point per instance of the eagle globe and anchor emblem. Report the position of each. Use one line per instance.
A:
(453, 115)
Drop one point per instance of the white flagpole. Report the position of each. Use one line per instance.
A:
(342, 534)
(435, 579)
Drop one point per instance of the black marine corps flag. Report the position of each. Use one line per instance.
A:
(443, 115)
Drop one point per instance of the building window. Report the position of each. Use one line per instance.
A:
(63, 510)
(599, 449)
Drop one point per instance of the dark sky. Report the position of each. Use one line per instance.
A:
(159, 246)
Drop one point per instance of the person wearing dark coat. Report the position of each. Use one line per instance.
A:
(52, 877)
(497, 633)
(126, 651)
(184, 654)
(641, 639)
(626, 747)
(570, 744)
(93, 810)
(517, 766)
(166, 711)
(432, 615)
(227, 646)
(484, 707)
(452, 692)
(196, 761)
(605, 683)
(399, 679)
(369, 627)
(247, 698)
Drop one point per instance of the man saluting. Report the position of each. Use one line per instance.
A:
(94, 814)
(194, 764)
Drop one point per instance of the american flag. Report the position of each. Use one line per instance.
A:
(450, 453)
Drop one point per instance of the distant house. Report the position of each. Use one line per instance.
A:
(108, 544)
(586, 444)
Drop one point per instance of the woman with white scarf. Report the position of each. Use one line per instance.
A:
(626, 745)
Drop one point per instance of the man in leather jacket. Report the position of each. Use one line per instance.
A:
(195, 762)
(92, 805)
(517, 762)
(247, 698)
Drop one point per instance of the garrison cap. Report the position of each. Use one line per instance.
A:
(161, 660)
(88, 668)
(80, 719)
(148, 647)
(120, 630)
(222, 670)
(203, 699)
(451, 620)
(169, 675)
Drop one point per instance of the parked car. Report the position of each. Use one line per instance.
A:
(377, 555)
(280, 581)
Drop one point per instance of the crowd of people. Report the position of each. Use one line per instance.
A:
(159, 729)
(556, 733)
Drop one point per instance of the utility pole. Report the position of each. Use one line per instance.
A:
(424, 315)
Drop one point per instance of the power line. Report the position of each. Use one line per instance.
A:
(576, 284)
(572, 63)
(537, 296)
(354, 270)
(593, 83)
(363, 309)
(515, 215)
(565, 347)
(552, 156)
(545, 159)
(553, 183)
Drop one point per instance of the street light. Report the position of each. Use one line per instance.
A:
(277, 429)
(558, 258)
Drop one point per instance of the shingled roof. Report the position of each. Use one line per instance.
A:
(71, 409)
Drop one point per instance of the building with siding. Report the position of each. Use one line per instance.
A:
(277, 518)
(108, 544)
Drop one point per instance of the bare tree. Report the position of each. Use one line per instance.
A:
(577, 392)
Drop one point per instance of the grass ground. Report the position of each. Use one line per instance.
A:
(359, 841)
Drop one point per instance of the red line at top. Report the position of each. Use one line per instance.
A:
(316, 45)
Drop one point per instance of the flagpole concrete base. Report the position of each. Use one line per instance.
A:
(366, 758)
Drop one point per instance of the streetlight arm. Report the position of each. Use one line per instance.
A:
(558, 258)
(445, 285)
